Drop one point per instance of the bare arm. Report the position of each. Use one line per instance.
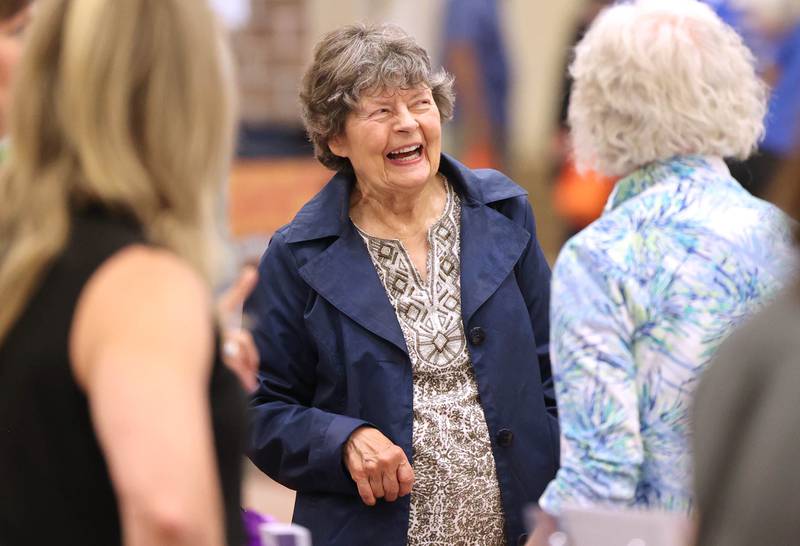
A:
(141, 348)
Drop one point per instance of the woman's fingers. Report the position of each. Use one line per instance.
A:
(405, 477)
(359, 475)
(239, 351)
(390, 486)
(251, 351)
(365, 490)
(376, 482)
(241, 356)
(230, 302)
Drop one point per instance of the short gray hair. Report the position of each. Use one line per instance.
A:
(656, 79)
(358, 58)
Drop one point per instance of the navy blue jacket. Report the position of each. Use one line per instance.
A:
(334, 357)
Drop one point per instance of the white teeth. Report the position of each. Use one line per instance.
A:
(406, 149)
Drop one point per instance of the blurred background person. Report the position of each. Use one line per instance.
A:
(643, 296)
(475, 53)
(771, 29)
(746, 420)
(402, 320)
(117, 419)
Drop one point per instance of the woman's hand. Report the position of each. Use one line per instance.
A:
(546, 529)
(239, 351)
(379, 467)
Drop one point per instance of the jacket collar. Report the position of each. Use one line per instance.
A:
(343, 272)
(328, 213)
(653, 174)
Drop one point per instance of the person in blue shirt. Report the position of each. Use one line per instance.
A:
(475, 53)
(774, 39)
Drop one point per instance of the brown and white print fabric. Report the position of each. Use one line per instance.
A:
(456, 496)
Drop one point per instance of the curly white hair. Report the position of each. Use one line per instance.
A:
(655, 79)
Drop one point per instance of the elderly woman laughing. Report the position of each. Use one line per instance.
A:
(402, 318)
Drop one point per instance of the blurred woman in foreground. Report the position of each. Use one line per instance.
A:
(117, 420)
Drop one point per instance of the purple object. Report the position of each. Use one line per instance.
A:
(252, 520)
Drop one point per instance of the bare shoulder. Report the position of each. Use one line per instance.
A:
(146, 279)
(142, 299)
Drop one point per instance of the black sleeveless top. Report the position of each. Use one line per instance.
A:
(54, 484)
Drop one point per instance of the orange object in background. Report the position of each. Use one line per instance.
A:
(481, 156)
(580, 198)
(266, 194)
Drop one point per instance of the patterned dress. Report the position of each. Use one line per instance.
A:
(456, 496)
(641, 300)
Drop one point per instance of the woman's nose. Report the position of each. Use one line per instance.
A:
(406, 120)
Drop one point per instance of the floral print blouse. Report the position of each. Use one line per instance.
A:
(641, 300)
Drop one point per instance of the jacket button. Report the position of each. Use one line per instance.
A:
(505, 437)
(477, 335)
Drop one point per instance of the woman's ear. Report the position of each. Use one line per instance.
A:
(338, 145)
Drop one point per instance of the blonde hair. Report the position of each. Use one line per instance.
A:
(127, 104)
(9, 8)
(656, 79)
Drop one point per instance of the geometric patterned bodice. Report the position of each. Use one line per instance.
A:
(456, 497)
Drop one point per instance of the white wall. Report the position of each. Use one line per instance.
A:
(420, 18)
(539, 33)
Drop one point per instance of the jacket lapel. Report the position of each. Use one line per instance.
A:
(344, 275)
(491, 244)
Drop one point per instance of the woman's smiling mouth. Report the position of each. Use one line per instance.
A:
(407, 154)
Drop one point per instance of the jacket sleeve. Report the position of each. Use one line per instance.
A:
(293, 442)
(533, 278)
(592, 322)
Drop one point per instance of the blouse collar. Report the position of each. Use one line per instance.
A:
(652, 174)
